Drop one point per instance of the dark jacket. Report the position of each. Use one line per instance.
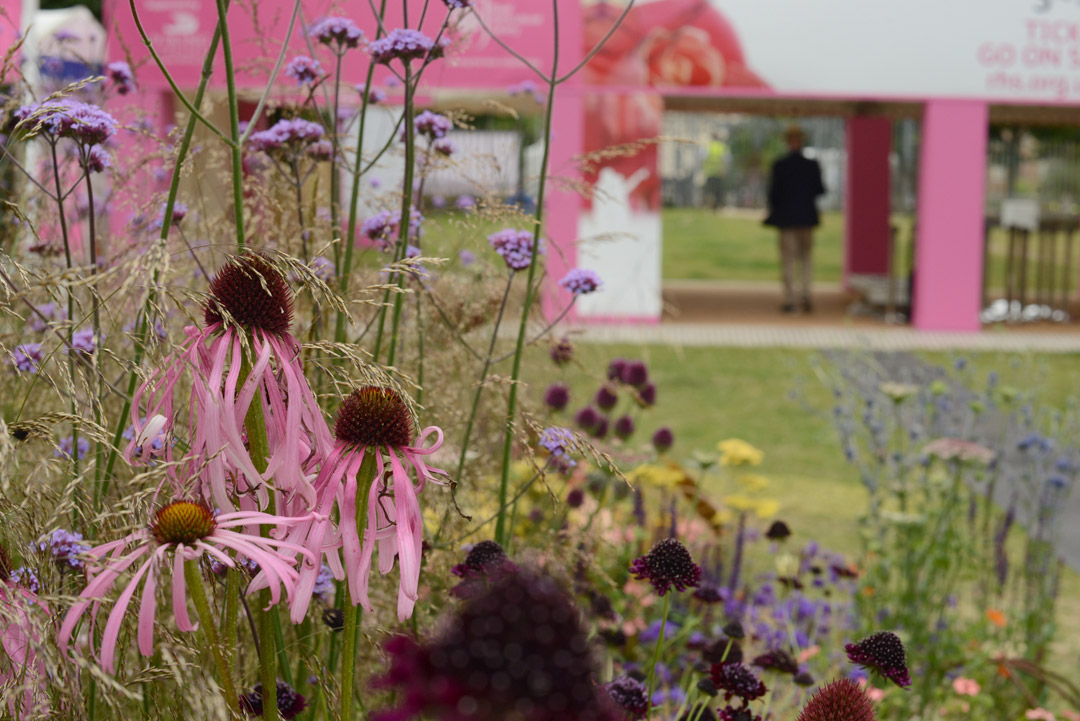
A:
(794, 185)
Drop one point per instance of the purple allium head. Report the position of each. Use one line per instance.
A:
(882, 652)
(324, 584)
(321, 150)
(616, 368)
(65, 547)
(290, 703)
(119, 73)
(561, 351)
(600, 431)
(515, 246)
(737, 681)
(338, 31)
(629, 695)
(464, 202)
(624, 427)
(433, 125)
(840, 700)
(64, 451)
(27, 357)
(96, 159)
(400, 44)
(635, 373)
(647, 395)
(466, 258)
(83, 341)
(557, 396)
(445, 147)
(667, 565)
(587, 418)
(304, 70)
(777, 660)
(518, 649)
(606, 397)
(581, 281)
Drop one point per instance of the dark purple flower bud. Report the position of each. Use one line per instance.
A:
(635, 374)
(882, 652)
(725, 649)
(663, 439)
(778, 531)
(601, 430)
(575, 498)
(647, 395)
(562, 351)
(737, 681)
(557, 396)
(667, 565)
(624, 427)
(606, 397)
(290, 703)
(629, 695)
(588, 418)
(616, 368)
(777, 660)
(334, 618)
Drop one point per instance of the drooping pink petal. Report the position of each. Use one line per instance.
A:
(111, 633)
(179, 593)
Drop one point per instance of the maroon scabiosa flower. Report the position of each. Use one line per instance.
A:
(667, 564)
(616, 368)
(588, 418)
(630, 696)
(606, 398)
(723, 650)
(737, 681)
(635, 373)
(730, 713)
(518, 650)
(882, 652)
(290, 702)
(840, 700)
(371, 420)
(778, 531)
(557, 396)
(647, 395)
(663, 439)
(777, 660)
(624, 427)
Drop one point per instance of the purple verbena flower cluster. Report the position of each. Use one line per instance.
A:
(304, 70)
(119, 73)
(400, 44)
(337, 31)
(27, 357)
(292, 133)
(581, 281)
(515, 246)
(84, 123)
(433, 125)
(64, 451)
(65, 547)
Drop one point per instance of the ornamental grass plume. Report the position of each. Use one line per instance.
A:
(841, 700)
(882, 653)
(188, 531)
(374, 424)
(518, 650)
(246, 328)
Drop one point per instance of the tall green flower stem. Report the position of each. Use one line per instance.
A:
(197, 591)
(71, 318)
(95, 315)
(335, 211)
(364, 478)
(530, 296)
(651, 683)
(234, 130)
(255, 424)
(143, 324)
(345, 269)
(406, 219)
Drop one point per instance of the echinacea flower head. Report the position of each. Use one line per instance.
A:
(289, 701)
(840, 700)
(186, 530)
(400, 44)
(374, 423)
(629, 695)
(336, 31)
(23, 616)
(305, 70)
(517, 650)
(251, 293)
(581, 281)
(882, 652)
(736, 680)
(514, 246)
(667, 565)
(119, 73)
(27, 357)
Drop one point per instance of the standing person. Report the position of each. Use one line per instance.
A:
(794, 185)
(715, 167)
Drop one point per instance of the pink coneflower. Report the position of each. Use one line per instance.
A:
(20, 666)
(250, 303)
(371, 420)
(188, 530)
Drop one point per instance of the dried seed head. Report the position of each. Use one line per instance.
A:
(253, 293)
(182, 522)
(374, 416)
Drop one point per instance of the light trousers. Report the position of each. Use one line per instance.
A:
(796, 247)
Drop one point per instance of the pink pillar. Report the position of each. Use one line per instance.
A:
(949, 242)
(563, 203)
(867, 202)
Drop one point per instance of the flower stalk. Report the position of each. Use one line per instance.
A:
(364, 478)
(197, 590)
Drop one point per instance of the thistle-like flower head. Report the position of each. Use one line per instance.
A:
(374, 416)
(841, 700)
(253, 293)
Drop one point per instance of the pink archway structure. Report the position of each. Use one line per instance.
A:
(955, 67)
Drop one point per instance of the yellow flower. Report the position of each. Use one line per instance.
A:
(740, 502)
(654, 475)
(735, 452)
(767, 507)
(753, 482)
(760, 507)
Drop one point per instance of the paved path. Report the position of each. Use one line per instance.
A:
(804, 335)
